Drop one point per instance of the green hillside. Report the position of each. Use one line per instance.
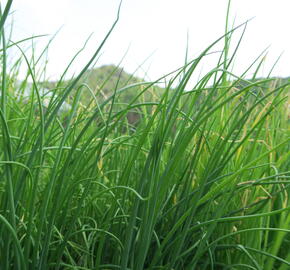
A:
(99, 85)
(103, 81)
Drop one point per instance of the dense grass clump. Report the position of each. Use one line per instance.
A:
(201, 181)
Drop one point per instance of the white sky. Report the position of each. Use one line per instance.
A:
(154, 26)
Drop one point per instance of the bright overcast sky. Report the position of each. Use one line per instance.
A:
(154, 27)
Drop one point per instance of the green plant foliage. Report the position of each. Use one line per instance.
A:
(200, 179)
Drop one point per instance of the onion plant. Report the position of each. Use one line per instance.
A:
(201, 181)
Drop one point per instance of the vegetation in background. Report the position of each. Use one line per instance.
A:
(200, 182)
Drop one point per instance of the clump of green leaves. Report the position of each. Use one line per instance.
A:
(200, 182)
